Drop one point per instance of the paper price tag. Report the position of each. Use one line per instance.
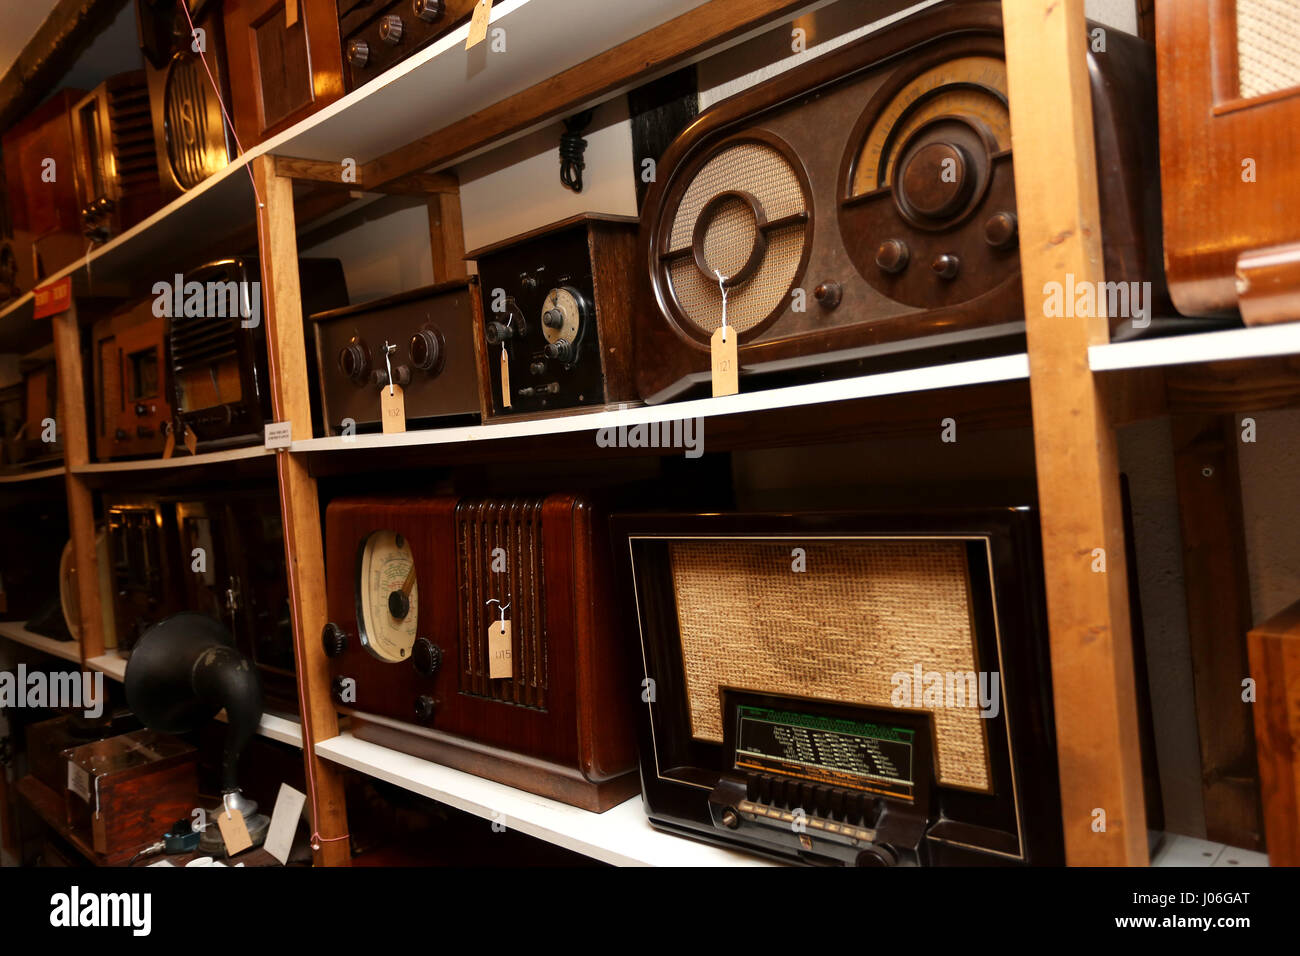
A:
(392, 409)
(169, 445)
(191, 440)
(505, 378)
(79, 781)
(233, 831)
(279, 435)
(726, 374)
(500, 663)
(479, 23)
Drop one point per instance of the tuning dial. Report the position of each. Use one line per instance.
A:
(828, 294)
(561, 350)
(1000, 230)
(334, 639)
(936, 181)
(877, 855)
(892, 256)
(426, 656)
(358, 53)
(426, 350)
(497, 332)
(427, 10)
(553, 319)
(354, 360)
(946, 266)
(425, 706)
(390, 29)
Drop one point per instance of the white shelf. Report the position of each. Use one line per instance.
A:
(1179, 850)
(981, 371)
(621, 836)
(19, 476)
(17, 632)
(111, 665)
(180, 461)
(1257, 342)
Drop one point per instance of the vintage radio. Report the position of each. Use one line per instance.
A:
(426, 338)
(1229, 106)
(557, 316)
(70, 596)
(123, 792)
(862, 207)
(864, 689)
(48, 740)
(479, 633)
(379, 34)
(133, 415)
(219, 384)
(40, 406)
(117, 168)
(285, 63)
(41, 189)
(191, 139)
(146, 562)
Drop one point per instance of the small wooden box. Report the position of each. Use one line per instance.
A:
(49, 740)
(124, 792)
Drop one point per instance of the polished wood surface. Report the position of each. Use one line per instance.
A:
(1078, 476)
(1275, 666)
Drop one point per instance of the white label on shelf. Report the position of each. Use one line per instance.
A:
(279, 435)
(284, 822)
(79, 781)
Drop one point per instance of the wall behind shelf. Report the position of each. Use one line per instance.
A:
(1270, 492)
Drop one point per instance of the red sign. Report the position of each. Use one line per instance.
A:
(54, 298)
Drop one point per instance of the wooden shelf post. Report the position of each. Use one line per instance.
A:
(1078, 475)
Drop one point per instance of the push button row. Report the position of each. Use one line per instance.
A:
(816, 799)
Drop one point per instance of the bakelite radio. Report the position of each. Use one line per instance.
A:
(41, 193)
(191, 140)
(555, 329)
(480, 633)
(379, 34)
(285, 63)
(220, 388)
(423, 338)
(117, 167)
(862, 206)
(133, 414)
(789, 696)
(1229, 108)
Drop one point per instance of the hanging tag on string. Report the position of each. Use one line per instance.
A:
(505, 376)
(478, 24)
(191, 440)
(234, 831)
(722, 349)
(500, 662)
(392, 403)
(169, 444)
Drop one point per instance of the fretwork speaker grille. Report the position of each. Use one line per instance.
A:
(861, 612)
(196, 138)
(1268, 46)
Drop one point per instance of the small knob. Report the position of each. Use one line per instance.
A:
(426, 350)
(399, 604)
(358, 53)
(828, 294)
(553, 319)
(401, 376)
(497, 332)
(104, 204)
(538, 367)
(1000, 230)
(140, 410)
(946, 266)
(426, 656)
(561, 350)
(334, 639)
(530, 283)
(730, 819)
(390, 29)
(425, 706)
(427, 10)
(120, 434)
(354, 361)
(877, 855)
(892, 256)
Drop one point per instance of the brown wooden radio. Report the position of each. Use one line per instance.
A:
(379, 34)
(860, 209)
(1229, 111)
(557, 313)
(545, 704)
(41, 191)
(133, 413)
(117, 168)
(146, 563)
(285, 63)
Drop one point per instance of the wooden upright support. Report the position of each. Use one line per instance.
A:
(1275, 665)
(1078, 477)
(299, 504)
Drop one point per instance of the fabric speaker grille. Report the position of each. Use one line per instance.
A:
(1268, 46)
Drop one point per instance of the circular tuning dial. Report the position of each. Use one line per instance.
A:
(358, 53)
(427, 10)
(936, 180)
(390, 29)
(426, 350)
(354, 360)
(565, 316)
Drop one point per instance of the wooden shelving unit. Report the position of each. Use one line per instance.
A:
(1073, 383)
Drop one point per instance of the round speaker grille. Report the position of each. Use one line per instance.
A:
(190, 113)
(745, 209)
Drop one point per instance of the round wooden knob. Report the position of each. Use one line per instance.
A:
(935, 181)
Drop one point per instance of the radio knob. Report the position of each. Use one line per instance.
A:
(730, 819)
(828, 294)
(390, 29)
(334, 639)
(425, 706)
(497, 332)
(935, 182)
(120, 434)
(538, 367)
(946, 266)
(561, 350)
(553, 319)
(426, 656)
(354, 360)
(874, 855)
(426, 350)
(401, 376)
(1000, 230)
(427, 10)
(399, 604)
(892, 256)
(358, 53)
(530, 283)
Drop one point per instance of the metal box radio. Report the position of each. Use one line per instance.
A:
(425, 337)
(379, 34)
(853, 689)
(282, 68)
(862, 206)
(217, 358)
(556, 317)
(146, 562)
(479, 633)
(117, 167)
(128, 354)
(191, 139)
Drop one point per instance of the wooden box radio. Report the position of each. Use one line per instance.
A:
(556, 324)
(117, 167)
(132, 412)
(124, 791)
(426, 338)
(479, 633)
(285, 63)
(379, 34)
(37, 402)
(219, 379)
(191, 138)
(1229, 109)
(145, 553)
(863, 689)
(48, 740)
(862, 207)
(41, 193)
